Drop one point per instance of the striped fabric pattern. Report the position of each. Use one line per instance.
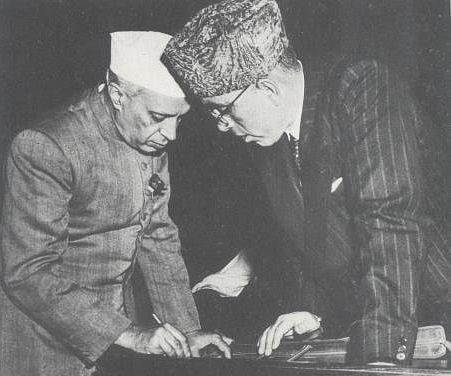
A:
(361, 123)
(379, 215)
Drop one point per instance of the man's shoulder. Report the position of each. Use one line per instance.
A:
(351, 77)
(68, 121)
(340, 72)
(63, 128)
(34, 146)
(334, 64)
(350, 69)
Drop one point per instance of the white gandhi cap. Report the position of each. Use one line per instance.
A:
(136, 57)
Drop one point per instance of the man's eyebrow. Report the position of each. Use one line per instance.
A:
(163, 113)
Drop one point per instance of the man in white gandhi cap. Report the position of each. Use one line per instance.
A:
(86, 200)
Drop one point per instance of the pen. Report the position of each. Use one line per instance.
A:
(155, 317)
(298, 355)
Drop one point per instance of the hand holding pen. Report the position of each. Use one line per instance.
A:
(171, 341)
(161, 340)
(205, 344)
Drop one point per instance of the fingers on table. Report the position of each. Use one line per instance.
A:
(222, 345)
(271, 337)
(180, 337)
(168, 343)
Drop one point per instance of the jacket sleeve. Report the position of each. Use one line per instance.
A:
(34, 237)
(160, 259)
(383, 178)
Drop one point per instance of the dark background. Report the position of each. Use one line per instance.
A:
(51, 49)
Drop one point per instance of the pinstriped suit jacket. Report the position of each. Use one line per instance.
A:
(76, 217)
(360, 123)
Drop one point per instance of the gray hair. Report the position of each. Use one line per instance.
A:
(130, 89)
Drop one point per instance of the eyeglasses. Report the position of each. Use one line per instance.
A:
(219, 115)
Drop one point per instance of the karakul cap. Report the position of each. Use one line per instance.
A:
(227, 46)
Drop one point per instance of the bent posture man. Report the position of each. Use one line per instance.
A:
(359, 219)
(86, 198)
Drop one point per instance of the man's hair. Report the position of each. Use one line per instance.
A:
(130, 89)
(288, 60)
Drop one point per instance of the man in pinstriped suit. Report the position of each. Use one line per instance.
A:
(357, 197)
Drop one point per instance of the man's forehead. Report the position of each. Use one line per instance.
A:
(164, 104)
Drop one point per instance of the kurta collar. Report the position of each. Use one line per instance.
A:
(103, 115)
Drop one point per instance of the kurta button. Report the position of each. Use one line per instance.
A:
(143, 216)
(143, 165)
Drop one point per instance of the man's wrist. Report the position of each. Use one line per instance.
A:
(192, 331)
(127, 337)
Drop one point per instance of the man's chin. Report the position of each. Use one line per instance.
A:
(151, 150)
(266, 143)
(258, 142)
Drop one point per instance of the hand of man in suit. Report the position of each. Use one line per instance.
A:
(286, 325)
(164, 339)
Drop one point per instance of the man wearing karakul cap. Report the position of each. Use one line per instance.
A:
(360, 222)
(87, 193)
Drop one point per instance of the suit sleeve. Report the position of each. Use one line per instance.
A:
(34, 237)
(381, 173)
(163, 267)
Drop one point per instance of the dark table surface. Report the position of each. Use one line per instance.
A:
(120, 362)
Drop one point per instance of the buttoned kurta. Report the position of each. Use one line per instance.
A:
(77, 215)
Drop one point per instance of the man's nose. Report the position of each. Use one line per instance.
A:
(169, 129)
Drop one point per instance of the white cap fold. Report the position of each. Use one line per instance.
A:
(136, 57)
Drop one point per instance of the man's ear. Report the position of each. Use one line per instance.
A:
(116, 95)
(270, 89)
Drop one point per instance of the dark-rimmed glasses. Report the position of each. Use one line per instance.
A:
(219, 115)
